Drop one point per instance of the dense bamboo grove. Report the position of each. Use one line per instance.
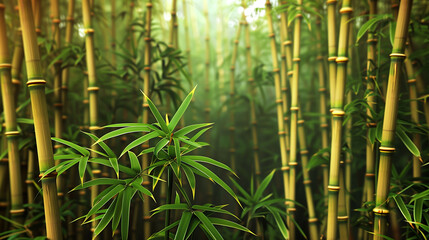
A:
(207, 119)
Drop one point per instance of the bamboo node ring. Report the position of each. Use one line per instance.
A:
(341, 59)
(333, 188)
(300, 121)
(49, 175)
(296, 59)
(398, 55)
(36, 82)
(70, 19)
(304, 152)
(284, 89)
(313, 220)
(147, 39)
(94, 128)
(145, 146)
(16, 81)
(380, 211)
(291, 209)
(271, 35)
(145, 183)
(85, 101)
(395, 5)
(16, 211)
(146, 218)
(251, 80)
(276, 70)
(282, 133)
(232, 68)
(342, 218)
(58, 104)
(294, 108)
(338, 113)
(145, 105)
(93, 89)
(57, 146)
(412, 81)
(324, 125)
(288, 42)
(11, 133)
(96, 171)
(286, 118)
(279, 101)
(3, 204)
(88, 30)
(290, 73)
(331, 2)
(148, 5)
(147, 68)
(4, 160)
(371, 125)
(2, 6)
(5, 65)
(306, 182)
(56, 20)
(231, 128)
(346, 10)
(285, 168)
(386, 149)
(369, 174)
(60, 194)
(331, 59)
(322, 89)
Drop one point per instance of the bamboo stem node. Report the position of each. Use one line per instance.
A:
(16, 81)
(35, 82)
(94, 128)
(49, 175)
(300, 121)
(5, 65)
(331, 2)
(397, 55)
(412, 81)
(342, 218)
(313, 220)
(303, 152)
(16, 211)
(345, 10)
(11, 133)
(387, 149)
(338, 113)
(294, 108)
(332, 59)
(341, 59)
(88, 31)
(380, 211)
(93, 89)
(333, 188)
(285, 168)
(289, 42)
(306, 182)
(96, 171)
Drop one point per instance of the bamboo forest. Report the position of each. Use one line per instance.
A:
(214, 119)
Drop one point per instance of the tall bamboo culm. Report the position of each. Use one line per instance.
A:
(337, 120)
(387, 148)
(17, 58)
(231, 104)
(92, 87)
(36, 85)
(252, 92)
(207, 67)
(146, 87)
(280, 121)
(11, 132)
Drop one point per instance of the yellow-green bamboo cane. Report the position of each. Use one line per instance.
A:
(187, 39)
(252, 92)
(12, 133)
(37, 13)
(332, 46)
(31, 167)
(92, 87)
(389, 124)
(36, 85)
(232, 98)
(146, 86)
(312, 218)
(17, 58)
(338, 115)
(280, 114)
(294, 116)
(65, 71)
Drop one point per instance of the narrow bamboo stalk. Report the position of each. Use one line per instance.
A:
(332, 46)
(294, 116)
(65, 71)
(252, 93)
(173, 26)
(312, 218)
(36, 86)
(187, 40)
(17, 58)
(37, 13)
(92, 88)
(280, 114)
(207, 67)
(146, 87)
(386, 150)
(12, 133)
(231, 104)
(337, 116)
(31, 193)
(220, 59)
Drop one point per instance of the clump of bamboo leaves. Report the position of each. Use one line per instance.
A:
(172, 152)
(36, 85)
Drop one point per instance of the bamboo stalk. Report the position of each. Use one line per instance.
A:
(386, 149)
(220, 59)
(36, 86)
(280, 122)
(37, 13)
(17, 58)
(252, 93)
(12, 133)
(294, 117)
(31, 193)
(187, 40)
(337, 118)
(146, 87)
(312, 218)
(207, 67)
(332, 46)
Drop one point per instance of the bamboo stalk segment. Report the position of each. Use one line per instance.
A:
(337, 119)
(36, 86)
(391, 108)
(12, 133)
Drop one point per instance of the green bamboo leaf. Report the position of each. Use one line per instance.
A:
(106, 148)
(135, 165)
(180, 206)
(177, 152)
(121, 125)
(60, 165)
(280, 223)
(82, 167)
(183, 225)
(213, 232)
(392, 30)
(125, 218)
(189, 142)
(115, 165)
(191, 178)
(78, 148)
(98, 181)
(210, 161)
(107, 217)
(146, 151)
(264, 185)
(240, 189)
(142, 189)
(139, 141)
(408, 142)
(64, 168)
(117, 189)
(418, 210)
(230, 224)
(185, 130)
(157, 115)
(213, 209)
(105, 162)
(66, 156)
(160, 145)
(169, 227)
(192, 226)
(121, 131)
(402, 207)
(180, 111)
(368, 25)
(118, 212)
(211, 176)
